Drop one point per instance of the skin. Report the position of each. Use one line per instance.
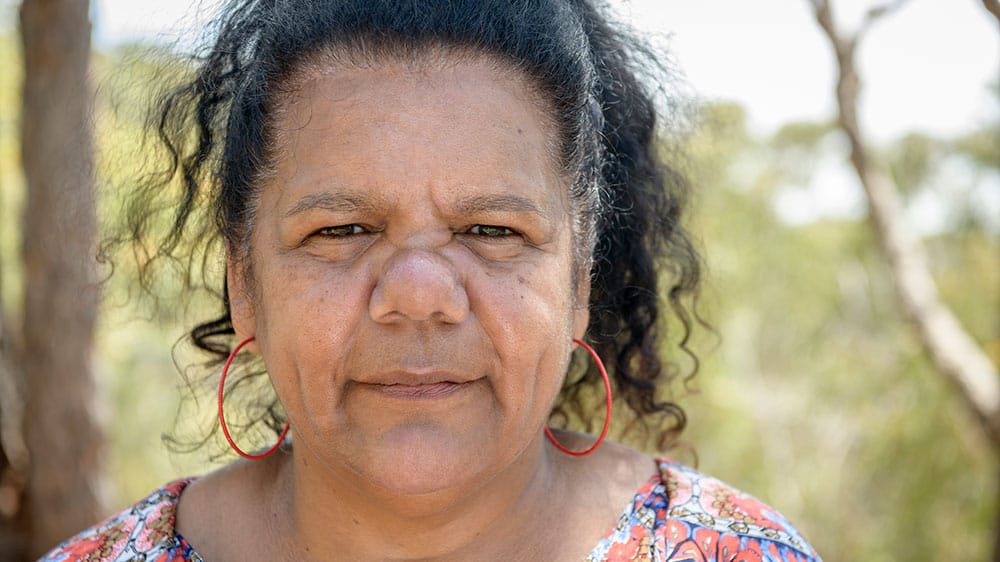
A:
(412, 290)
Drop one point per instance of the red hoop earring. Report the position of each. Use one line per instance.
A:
(222, 416)
(607, 419)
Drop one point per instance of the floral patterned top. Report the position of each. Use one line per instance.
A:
(679, 515)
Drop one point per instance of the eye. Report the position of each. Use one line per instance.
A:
(491, 231)
(340, 231)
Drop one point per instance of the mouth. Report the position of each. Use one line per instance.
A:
(420, 391)
(420, 385)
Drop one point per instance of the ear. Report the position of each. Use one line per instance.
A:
(581, 310)
(240, 303)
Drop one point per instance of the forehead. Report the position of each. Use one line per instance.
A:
(461, 121)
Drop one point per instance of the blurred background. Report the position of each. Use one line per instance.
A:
(851, 381)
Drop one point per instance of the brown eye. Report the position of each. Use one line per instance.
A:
(340, 231)
(491, 231)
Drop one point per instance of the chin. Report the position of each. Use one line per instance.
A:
(424, 460)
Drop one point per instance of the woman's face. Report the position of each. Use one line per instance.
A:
(412, 284)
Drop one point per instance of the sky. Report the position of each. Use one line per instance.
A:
(926, 67)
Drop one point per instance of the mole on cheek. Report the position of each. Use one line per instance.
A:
(521, 280)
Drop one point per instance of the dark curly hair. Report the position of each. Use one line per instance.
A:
(599, 82)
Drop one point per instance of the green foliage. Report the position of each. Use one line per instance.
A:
(802, 135)
(139, 331)
(982, 146)
(11, 178)
(912, 161)
(819, 398)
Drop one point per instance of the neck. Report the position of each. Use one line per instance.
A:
(329, 510)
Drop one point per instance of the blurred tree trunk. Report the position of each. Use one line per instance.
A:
(61, 290)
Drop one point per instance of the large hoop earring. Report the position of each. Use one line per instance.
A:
(607, 419)
(222, 416)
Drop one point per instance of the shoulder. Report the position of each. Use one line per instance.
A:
(140, 531)
(682, 514)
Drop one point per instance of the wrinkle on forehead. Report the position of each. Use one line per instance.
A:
(416, 63)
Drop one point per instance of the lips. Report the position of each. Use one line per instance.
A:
(421, 377)
(419, 391)
(418, 385)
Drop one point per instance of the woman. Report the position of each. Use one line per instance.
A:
(423, 206)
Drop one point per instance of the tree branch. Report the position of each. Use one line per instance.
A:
(953, 352)
(993, 7)
(824, 16)
(877, 13)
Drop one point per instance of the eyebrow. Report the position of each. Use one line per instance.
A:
(347, 202)
(506, 202)
(327, 201)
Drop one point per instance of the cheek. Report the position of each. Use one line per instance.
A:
(519, 307)
(310, 297)
(528, 317)
(306, 321)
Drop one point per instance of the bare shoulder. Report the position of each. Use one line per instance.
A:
(212, 491)
(612, 474)
(216, 509)
(626, 462)
(596, 489)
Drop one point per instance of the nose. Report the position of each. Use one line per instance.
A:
(418, 285)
